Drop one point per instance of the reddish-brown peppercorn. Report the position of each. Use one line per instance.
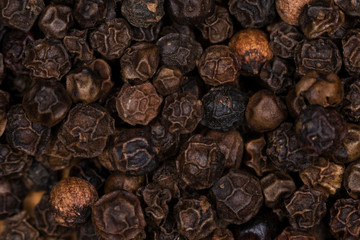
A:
(290, 10)
(71, 199)
(252, 46)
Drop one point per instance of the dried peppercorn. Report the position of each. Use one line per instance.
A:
(182, 112)
(319, 18)
(179, 50)
(252, 46)
(256, 157)
(55, 21)
(200, 163)
(90, 83)
(86, 130)
(71, 199)
(224, 108)
(167, 80)
(284, 150)
(351, 176)
(46, 103)
(20, 14)
(148, 34)
(319, 129)
(350, 46)
(45, 221)
(306, 208)
(14, 45)
(323, 175)
(290, 233)
(13, 163)
(12, 195)
(217, 27)
(283, 39)
(24, 135)
(142, 13)
(351, 8)
(265, 111)
(253, 14)
(18, 227)
(130, 152)
(138, 104)
(317, 54)
(88, 13)
(234, 186)
(343, 220)
(290, 10)
(111, 38)
(122, 181)
(75, 43)
(39, 59)
(118, 215)
(195, 217)
(218, 65)
(139, 63)
(276, 75)
(190, 12)
(276, 187)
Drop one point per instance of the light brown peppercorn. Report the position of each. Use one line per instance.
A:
(71, 199)
(290, 10)
(265, 111)
(252, 46)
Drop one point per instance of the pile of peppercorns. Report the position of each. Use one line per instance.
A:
(180, 119)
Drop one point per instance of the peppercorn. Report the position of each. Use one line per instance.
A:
(71, 199)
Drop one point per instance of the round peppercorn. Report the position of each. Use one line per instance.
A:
(284, 151)
(118, 215)
(351, 178)
(142, 13)
(319, 129)
(86, 130)
(111, 46)
(88, 13)
(253, 14)
(195, 217)
(91, 83)
(18, 227)
(24, 135)
(13, 163)
(55, 21)
(167, 80)
(323, 175)
(265, 111)
(224, 108)
(46, 103)
(344, 219)
(182, 112)
(179, 50)
(238, 197)
(191, 12)
(200, 163)
(71, 199)
(283, 39)
(252, 46)
(350, 7)
(320, 18)
(130, 152)
(218, 65)
(351, 51)
(306, 208)
(20, 14)
(290, 10)
(139, 62)
(317, 54)
(138, 104)
(218, 27)
(39, 59)
(76, 44)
